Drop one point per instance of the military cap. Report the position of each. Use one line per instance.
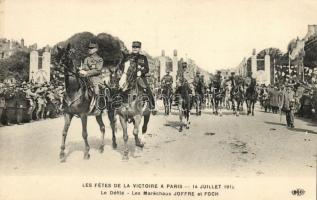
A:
(184, 64)
(233, 73)
(92, 45)
(198, 72)
(136, 44)
(218, 72)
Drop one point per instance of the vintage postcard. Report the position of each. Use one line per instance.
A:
(145, 99)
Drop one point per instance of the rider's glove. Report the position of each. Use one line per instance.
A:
(82, 72)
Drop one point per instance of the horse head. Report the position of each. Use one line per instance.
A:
(64, 57)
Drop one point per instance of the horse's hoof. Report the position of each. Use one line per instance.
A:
(139, 144)
(101, 149)
(252, 114)
(180, 129)
(187, 127)
(87, 156)
(114, 145)
(62, 155)
(125, 155)
(144, 130)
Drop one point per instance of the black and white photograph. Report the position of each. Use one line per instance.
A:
(145, 99)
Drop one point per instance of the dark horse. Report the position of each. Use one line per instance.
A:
(167, 95)
(218, 96)
(251, 96)
(237, 98)
(77, 100)
(184, 103)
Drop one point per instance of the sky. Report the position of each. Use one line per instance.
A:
(217, 34)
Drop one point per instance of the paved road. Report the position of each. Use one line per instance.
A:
(243, 146)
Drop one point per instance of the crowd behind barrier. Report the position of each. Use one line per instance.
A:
(26, 102)
(303, 99)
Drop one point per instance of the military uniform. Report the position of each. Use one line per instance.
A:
(187, 77)
(288, 104)
(30, 97)
(217, 81)
(92, 66)
(167, 80)
(20, 105)
(138, 67)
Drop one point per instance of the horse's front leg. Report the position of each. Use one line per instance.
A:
(187, 113)
(102, 130)
(124, 125)
(137, 122)
(253, 103)
(180, 114)
(85, 136)
(67, 121)
(220, 109)
(113, 124)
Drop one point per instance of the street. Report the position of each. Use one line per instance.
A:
(244, 146)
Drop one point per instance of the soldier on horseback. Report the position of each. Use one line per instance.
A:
(186, 78)
(138, 68)
(217, 81)
(167, 80)
(92, 67)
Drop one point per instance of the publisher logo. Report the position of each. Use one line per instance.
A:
(298, 192)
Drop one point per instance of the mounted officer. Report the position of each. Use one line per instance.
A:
(186, 78)
(233, 80)
(250, 81)
(138, 67)
(197, 79)
(217, 80)
(92, 67)
(167, 80)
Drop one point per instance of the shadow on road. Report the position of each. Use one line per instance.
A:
(173, 124)
(292, 129)
(275, 123)
(303, 130)
(94, 143)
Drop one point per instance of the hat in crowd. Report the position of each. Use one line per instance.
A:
(233, 73)
(136, 44)
(218, 72)
(198, 72)
(184, 64)
(92, 45)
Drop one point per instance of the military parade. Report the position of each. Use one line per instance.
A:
(116, 90)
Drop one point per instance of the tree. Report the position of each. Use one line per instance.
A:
(110, 47)
(16, 65)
